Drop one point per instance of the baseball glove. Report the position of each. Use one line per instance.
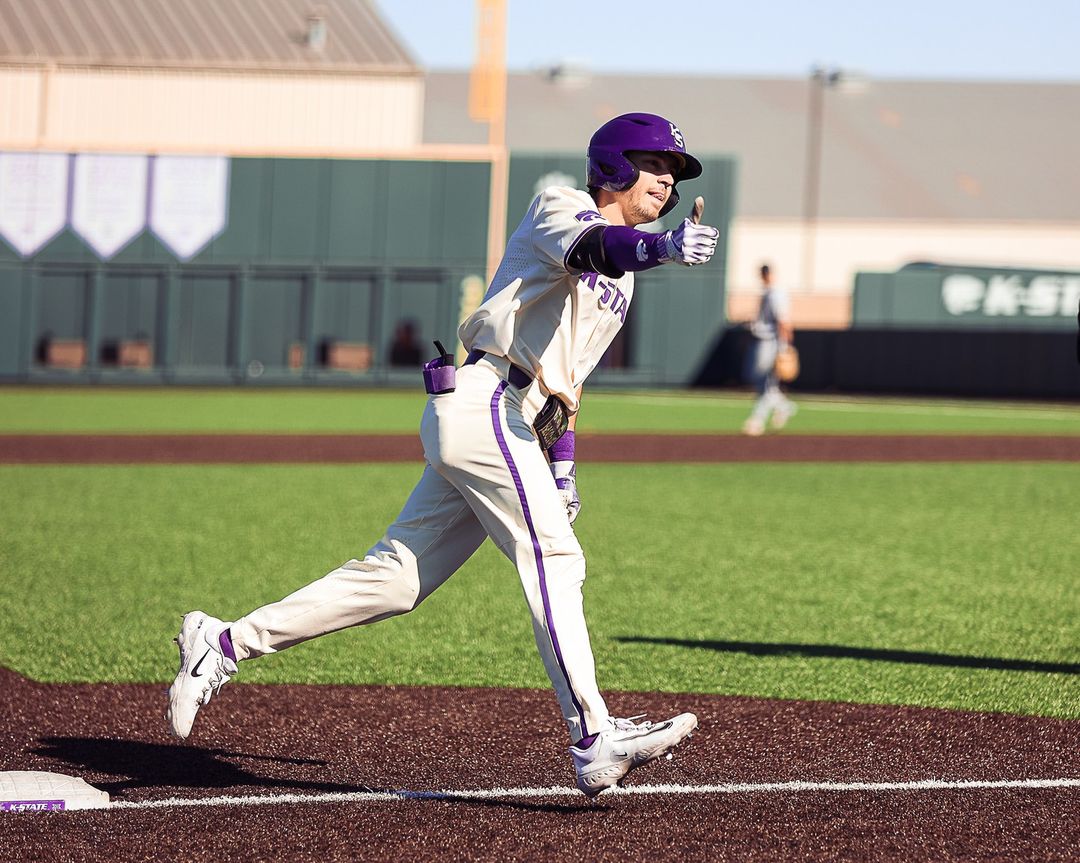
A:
(787, 363)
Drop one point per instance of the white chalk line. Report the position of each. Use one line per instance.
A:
(634, 790)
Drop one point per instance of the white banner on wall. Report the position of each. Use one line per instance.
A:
(188, 201)
(1010, 295)
(33, 198)
(109, 200)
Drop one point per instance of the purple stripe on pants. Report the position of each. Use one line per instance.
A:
(537, 553)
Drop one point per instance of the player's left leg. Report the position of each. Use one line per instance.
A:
(785, 409)
(505, 476)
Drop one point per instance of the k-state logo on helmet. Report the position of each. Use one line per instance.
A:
(676, 135)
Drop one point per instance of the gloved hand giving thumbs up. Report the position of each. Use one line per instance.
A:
(692, 242)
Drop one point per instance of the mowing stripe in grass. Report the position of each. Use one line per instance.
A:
(865, 405)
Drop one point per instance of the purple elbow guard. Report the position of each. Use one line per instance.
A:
(631, 250)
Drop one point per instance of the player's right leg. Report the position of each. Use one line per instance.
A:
(206, 664)
(433, 536)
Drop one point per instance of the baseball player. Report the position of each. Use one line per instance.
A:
(771, 329)
(499, 446)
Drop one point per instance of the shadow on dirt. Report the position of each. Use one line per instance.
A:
(837, 651)
(137, 765)
(155, 765)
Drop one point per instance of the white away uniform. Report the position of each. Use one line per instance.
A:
(486, 474)
(773, 309)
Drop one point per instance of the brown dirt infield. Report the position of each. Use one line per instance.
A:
(264, 741)
(227, 449)
(256, 740)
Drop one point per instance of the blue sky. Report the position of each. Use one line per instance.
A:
(1000, 40)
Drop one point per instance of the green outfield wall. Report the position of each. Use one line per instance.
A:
(939, 296)
(938, 330)
(319, 265)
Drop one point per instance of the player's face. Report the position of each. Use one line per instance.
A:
(656, 175)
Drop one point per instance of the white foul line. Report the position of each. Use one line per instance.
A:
(505, 793)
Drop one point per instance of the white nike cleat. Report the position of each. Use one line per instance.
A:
(204, 669)
(625, 746)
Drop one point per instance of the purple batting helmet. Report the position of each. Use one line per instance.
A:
(610, 169)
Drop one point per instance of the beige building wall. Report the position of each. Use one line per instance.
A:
(844, 248)
(20, 96)
(263, 113)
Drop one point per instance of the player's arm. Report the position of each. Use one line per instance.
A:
(571, 423)
(614, 250)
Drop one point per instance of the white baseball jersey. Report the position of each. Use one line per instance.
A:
(774, 309)
(552, 321)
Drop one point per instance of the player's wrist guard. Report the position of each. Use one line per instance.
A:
(667, 251)
(563, 448)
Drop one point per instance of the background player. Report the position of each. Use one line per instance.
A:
(771, 329)
(500, 448)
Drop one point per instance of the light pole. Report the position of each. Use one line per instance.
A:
(820, 79)
(487, 103)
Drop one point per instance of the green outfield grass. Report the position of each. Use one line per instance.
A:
(366, 411)
(864, 583)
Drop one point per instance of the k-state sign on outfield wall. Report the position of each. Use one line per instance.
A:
(948, 297)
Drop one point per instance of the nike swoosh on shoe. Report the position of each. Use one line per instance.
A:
(195, 670)
(663, 727)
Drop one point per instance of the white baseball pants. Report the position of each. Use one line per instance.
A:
(486, 476)
(770, 397)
